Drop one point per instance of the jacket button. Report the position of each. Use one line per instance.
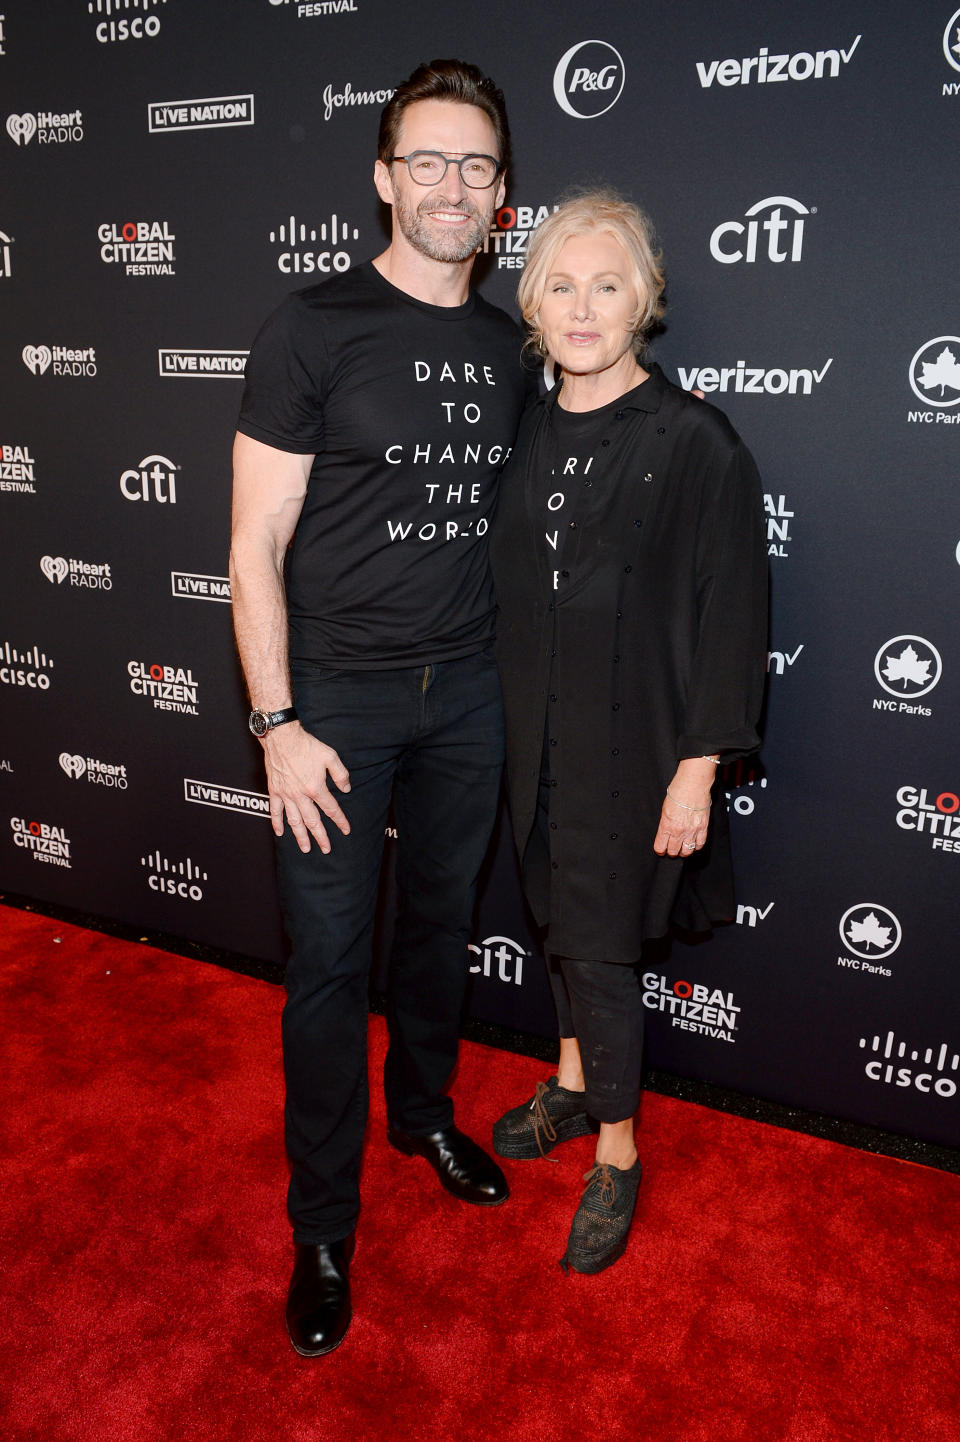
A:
(613, 835)
(616, 705)
(628, 569)
(619, 615)
(616, 659)
(615, 751)
(613, 876)
(614, 793)
(648, 476)
(553, 696)
(638, 523)
(555, 865)
(661, 430)
(573, 525)
(590, 483)
(551, 607)
(553, 653)
(604, 443)
(553, 740)
(553, 826)
(565, 575)
(619, 415)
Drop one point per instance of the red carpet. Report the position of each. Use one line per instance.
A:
(777, 1288)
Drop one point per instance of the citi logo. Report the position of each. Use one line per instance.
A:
(5, 243)
(766, 69)
(154, 478)
(736, 240)
(508, 956)
(753, 380)
(299, 257)
(174, 878)
(589, 79)
(887, 1053)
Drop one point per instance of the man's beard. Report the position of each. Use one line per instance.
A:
(434, 240)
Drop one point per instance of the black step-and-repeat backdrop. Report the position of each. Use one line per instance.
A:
(171, 168)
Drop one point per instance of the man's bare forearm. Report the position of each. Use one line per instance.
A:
(260, 625)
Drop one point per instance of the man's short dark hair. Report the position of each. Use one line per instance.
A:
(445, 80)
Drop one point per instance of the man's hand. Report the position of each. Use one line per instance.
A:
(298, 768)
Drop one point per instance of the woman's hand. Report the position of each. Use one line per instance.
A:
(685, 814)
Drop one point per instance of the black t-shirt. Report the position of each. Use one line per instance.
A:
(410, 410)
(575, 488)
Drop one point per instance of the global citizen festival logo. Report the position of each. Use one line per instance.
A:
(883, 1065)
(907, 666)
(298, 256)
(153, 479)
(691, 1007)
(170, 688)
(92, 576)
(137, 27)
(64, 360)
(43, 841)
(937, 819)
(778, 236)
(17, 469)
(872, 933)
(142, 247)
(935, 380)
(510, 233)
(174, 878)
(98, 773)
(499, 958)
(767, 69)
(589, 79)
(314, 9)
(49, 126)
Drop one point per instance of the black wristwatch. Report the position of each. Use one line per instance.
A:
(263, 721)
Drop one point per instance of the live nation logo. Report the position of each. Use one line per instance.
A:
(935, 381)
(203, 364)
(499, 958)
(936, 816)
(42, 840)
(907, 667)
(872, 933)
(97, 773)
(17, 469)
(200, 588)
(89, 575)
(309, 250)
(937, 1070)
(226, 798)
(140, 26)
(170, 688)
(213, 113)
(510, 233)
(708, 1011)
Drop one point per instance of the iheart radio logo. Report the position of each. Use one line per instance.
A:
(37, 358)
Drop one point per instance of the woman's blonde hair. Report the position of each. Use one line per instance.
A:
(587, 211)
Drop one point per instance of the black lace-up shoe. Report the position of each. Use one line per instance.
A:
(551, 1116)
(318, 1307)
(598, 1236)
(463, 1167)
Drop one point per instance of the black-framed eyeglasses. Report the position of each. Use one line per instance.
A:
(429, 167)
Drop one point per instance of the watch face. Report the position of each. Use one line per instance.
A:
(259, 723)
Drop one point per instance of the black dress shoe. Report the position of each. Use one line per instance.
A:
(463, 1168)
(318, 1307)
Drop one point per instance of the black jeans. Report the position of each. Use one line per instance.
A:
(430, 738)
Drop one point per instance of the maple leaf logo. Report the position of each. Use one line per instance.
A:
(943, 372)
(907, 667)
(869, 932)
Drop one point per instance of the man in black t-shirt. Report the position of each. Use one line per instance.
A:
(378, 408)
